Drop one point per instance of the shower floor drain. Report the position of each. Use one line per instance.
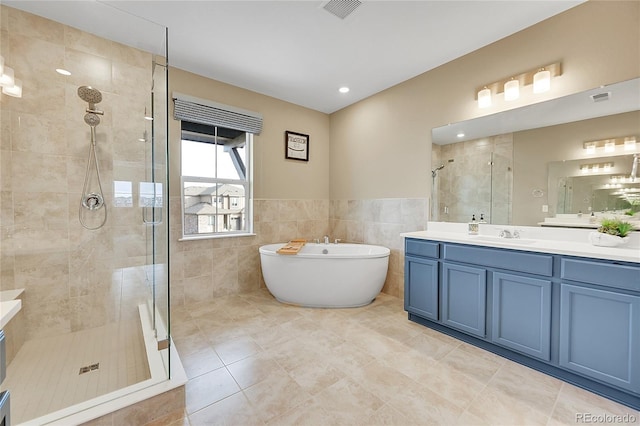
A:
(89, 368)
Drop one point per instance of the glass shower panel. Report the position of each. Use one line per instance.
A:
(501, 189)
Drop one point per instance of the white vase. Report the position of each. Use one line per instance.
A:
(606, 240)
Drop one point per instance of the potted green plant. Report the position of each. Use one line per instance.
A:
(611, 233)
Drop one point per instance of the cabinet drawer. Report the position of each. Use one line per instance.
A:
(532, 263)
(601, 273)
(422, 248)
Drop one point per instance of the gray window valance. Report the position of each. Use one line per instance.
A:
(202, 111)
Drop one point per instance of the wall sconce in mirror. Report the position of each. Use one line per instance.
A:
(595, 168)
(10, 85)
(539, 77)
(627, 143)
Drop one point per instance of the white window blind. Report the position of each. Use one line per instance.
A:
(195, 110)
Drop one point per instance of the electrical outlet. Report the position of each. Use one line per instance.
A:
(545, 208)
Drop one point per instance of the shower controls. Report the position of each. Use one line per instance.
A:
(92, 201)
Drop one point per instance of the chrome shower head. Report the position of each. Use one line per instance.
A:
(90, 95)
(91, 119)
(434, 173)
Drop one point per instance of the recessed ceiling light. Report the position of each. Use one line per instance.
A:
(343, 89)
(460, 135)
(62, 71)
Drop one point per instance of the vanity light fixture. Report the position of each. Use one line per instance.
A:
(595, 167)
(539, 78)
(484, 98)
(627, 143)
(541, 81)
(610, 145)
(630, 143)
(511, 90)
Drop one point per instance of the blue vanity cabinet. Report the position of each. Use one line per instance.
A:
(575, 318)
(421, 278)
(521, 314)
(600, 324)
(464, 296)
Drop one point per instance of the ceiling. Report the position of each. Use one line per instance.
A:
(297, 51)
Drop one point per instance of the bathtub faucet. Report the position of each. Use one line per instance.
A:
(326, 239)
(336, 241)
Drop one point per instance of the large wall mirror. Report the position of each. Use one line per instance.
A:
(530, 166)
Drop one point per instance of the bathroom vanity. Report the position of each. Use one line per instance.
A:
(551, 302)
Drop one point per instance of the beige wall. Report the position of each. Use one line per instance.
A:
(381, 147)
(274, 176)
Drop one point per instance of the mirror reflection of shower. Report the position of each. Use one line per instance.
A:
(92, 212)
(434, 193)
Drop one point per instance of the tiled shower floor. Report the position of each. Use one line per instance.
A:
(44, 376)
(253, 361)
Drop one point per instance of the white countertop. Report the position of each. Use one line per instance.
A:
(8, 310)
(571, 242)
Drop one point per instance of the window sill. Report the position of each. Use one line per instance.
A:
(214, 237)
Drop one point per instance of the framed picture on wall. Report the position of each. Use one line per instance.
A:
(296, 146)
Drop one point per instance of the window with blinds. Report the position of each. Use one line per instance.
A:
(216, 168)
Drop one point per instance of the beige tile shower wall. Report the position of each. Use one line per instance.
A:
(209, 268)
(465, 184)
(73, 277)
(380, 222)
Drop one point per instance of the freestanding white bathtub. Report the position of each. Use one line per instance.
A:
(325, 275)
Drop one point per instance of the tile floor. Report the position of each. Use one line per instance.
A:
(254, 361)
(43, 384)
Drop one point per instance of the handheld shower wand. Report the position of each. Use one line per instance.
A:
(434, 172)
(92, 200)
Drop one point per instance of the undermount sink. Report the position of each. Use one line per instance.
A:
(491, 238)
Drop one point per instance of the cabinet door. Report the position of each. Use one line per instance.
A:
(600, 335)
(464, 290)
(421, 287)
(521, 317)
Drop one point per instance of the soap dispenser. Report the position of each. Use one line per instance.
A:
(473, 226)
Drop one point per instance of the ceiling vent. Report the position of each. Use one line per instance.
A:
(600, 97)
(341, 8)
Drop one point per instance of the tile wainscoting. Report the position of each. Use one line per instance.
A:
(208, 268)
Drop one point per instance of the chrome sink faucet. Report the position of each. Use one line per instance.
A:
(326, 239)
(505, 233)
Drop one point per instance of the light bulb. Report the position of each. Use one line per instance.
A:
(610, 146)
(511, 90)
(541, 81)
(484, 98)
(629, 144)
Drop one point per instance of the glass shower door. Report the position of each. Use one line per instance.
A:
(153, 199)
